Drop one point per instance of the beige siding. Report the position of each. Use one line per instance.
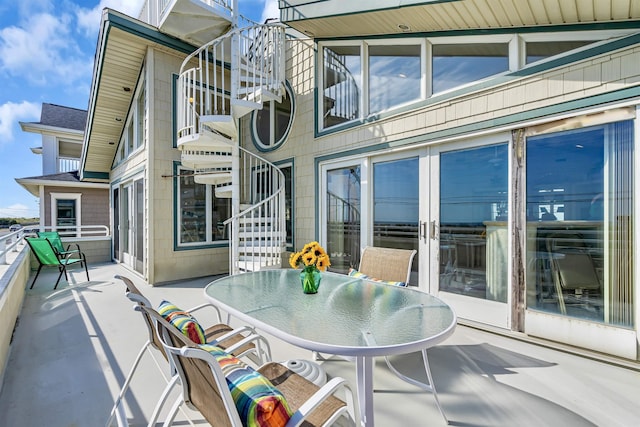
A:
(94, 204)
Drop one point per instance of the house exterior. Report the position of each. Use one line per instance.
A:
(77, 209)
(495, 137)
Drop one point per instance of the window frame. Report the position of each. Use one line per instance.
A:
(77, 198)
(274, 145)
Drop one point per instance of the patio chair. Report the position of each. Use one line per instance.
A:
(241, 342)
(56, 242)
(572, 269)
(208, 375)
(387, 264)
(47, 257)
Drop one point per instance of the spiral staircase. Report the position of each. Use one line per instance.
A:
(221, 82)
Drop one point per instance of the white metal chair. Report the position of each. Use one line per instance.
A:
(242, 342)
(205, 386)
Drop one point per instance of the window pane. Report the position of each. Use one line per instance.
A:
(458, 64)
(66, 212)
(193, 209)
(342, 67)
(263, 124)
(343, 218)
(141, 115)
(579, 223)
(473, 228)
(540, 50)
(220, 211)
(288, 204)
(394, 76)
(282, 118)
(395, 207)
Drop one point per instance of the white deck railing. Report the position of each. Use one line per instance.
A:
(258, 233)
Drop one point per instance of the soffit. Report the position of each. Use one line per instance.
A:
(120, 56)
(335, 18)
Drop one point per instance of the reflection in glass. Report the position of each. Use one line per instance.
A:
(195, 200)
(395, 206)
(272, 122)
(579, 223)
(537, 51)
(341, 91)
(394, 76)
(458, 64)
(343, 218)
(473, 227)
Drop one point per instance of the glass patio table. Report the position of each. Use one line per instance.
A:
(348, 317)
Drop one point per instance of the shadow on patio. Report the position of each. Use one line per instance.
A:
(73, 347)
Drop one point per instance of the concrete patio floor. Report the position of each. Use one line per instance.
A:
(73, 347)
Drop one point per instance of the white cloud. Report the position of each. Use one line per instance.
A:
(270, 10)
(11, 113)
(18, 211)
(89, 19)
(42, 51)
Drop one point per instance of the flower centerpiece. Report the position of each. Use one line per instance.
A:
(313, 259)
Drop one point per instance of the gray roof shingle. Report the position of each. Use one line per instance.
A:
(63, 117)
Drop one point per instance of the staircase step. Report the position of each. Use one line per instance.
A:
(242, 107)
(261, 95)
(205, 158)
(206, 138)
(222, 123)
(215, 178)
(223, 192)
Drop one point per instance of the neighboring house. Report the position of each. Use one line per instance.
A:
(495, 137)
(66, 203)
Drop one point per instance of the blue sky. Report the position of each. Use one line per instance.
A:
(46, 55)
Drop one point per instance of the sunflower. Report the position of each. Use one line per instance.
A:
(323, 262)
(311, 255)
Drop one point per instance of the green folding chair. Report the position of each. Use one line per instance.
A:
(47, 257)
(56, 242)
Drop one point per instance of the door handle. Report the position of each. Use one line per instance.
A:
(422, 231)
(433, 230)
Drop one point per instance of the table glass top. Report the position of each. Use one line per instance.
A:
(346, 316)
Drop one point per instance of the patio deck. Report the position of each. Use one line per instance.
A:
(73, 347)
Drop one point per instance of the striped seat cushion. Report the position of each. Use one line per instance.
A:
(259, 403)
(355, 273)
(183, 321)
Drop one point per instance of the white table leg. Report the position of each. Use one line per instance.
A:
(364, 378)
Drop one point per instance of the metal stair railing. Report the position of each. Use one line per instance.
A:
(255, 56)
(258, 233)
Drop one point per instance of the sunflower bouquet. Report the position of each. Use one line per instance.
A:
(311, 257)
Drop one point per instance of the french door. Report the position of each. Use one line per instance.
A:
(464, 228)
(131, 225)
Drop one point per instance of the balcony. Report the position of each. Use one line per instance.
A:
(195, 21)
(73, 347)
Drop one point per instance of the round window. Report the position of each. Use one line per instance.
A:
(270, 126)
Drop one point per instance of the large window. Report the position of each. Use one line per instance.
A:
(135, 129)
(580, 223)
(362, 78)
(200, 213)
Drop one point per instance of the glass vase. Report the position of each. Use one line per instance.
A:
(310, 279)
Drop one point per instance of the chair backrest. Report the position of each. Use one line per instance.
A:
(573, 265)
(43, 250)
(134, 294)
(54, 238)
(203, 383)
(387, 263)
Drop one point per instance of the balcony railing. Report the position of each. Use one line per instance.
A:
(68, 164)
